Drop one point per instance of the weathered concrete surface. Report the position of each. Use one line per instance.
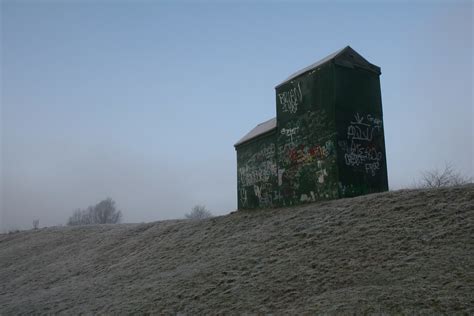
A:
(394, 252)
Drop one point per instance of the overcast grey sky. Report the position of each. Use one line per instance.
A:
(143, 101)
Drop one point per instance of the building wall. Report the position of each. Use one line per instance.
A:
(257, 173)
(360, 134)
(329, 141)
(306, 138)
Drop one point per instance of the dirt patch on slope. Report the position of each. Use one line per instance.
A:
(409, 251)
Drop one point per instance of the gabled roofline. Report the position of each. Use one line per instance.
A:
(260, 129)
(325, 60)
(355, 60)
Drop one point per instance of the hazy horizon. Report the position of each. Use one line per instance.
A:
(143, 101)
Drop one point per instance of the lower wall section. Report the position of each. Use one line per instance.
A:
(257, 173)
(306, 159)
(361, 154)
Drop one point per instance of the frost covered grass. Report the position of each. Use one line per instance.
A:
(409, 251)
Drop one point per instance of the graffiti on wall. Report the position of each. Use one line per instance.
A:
(256, 175)
(252, 174)
(290, 132)
(321, 148)
(306, 158)
(307, 154)
(265, 194)
(360, 150)
(243, 197)
(290, 99)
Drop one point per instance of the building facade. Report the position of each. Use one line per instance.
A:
(326, 142)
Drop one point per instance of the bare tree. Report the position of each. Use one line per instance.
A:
(36, 224)
(80, 217)
(442, 178)
(104, 212)
(198, 212)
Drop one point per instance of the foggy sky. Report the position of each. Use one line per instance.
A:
(142, 102)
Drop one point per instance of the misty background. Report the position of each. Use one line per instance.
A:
(143, 101)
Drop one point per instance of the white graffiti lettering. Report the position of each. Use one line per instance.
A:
(264, 193)
(251, 175)
(359, 130)
(243, 196)
(290, 132)
(290, 99)
(360, 151)
(372, 167)
(321, 174)
(308, 198)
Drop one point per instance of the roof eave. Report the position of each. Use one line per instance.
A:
(329, 58)
(254, 138)
(319, 63)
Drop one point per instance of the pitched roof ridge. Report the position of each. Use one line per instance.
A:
(314, 65)
(258, 130)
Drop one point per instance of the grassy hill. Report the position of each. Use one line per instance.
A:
(409, 251)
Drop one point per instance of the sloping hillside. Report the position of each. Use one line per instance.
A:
(396, 252)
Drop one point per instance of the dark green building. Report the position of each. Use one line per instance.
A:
(327, 139)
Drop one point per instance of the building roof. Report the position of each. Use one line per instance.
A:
(358, 60)
(345, 57)
(260, 129)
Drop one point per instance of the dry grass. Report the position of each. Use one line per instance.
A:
(405, 252)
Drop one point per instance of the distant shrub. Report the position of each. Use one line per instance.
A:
(80, 217)
(103, 212)
(198, 212)
(442, 178)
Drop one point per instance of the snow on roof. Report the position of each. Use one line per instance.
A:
(315, 65)
(258, 130)
(271, 124)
